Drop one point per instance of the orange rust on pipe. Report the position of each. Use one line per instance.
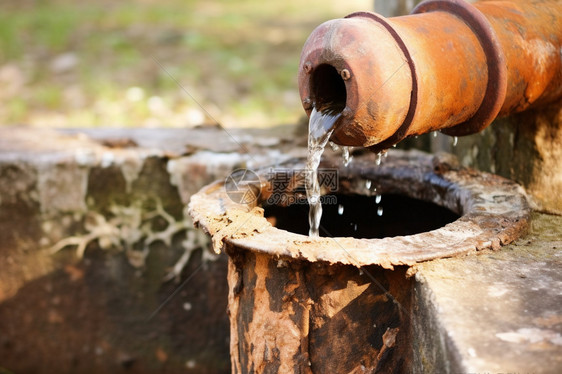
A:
(449, 66)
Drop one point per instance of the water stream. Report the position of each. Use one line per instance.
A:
(320, 127)
(346, 154)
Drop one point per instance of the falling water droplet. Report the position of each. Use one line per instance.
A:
(455, 141)
(378, 199)
(379, 158)
(435, 134)
(340, 209)
(368, 184)
(394, 146)
(379, 211)
(346, 154)
(355, 227)
(385, 154)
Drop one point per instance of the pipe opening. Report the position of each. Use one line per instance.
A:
(362, 217)
(328, 90)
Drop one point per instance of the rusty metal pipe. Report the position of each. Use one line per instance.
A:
(449, 66)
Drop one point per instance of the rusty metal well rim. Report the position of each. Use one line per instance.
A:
(496, 88)
(494, 214)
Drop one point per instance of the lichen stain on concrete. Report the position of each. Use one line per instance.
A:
(190, 174)
(60, 184)
(62, 188)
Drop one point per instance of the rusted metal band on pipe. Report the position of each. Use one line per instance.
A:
(497, 71)
(402, 131)
(354, 65)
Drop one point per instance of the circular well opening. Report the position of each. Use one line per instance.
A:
(358, 216)
(414, 225)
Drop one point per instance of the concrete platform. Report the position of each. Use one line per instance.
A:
(494, 312)
(143, 294)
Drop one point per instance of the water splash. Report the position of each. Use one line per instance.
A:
(346, 154)
(334, 146)
(320, 127)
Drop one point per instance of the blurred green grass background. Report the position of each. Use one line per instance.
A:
(84, 63)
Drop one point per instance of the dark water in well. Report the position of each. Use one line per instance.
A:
(359, 218)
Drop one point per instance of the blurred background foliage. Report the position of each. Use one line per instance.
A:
(81, 63)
